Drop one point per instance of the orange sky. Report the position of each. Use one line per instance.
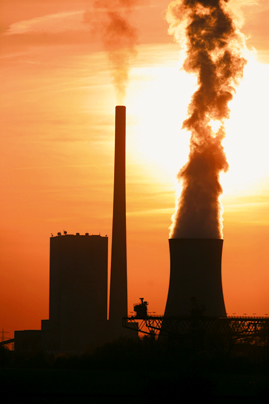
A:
(57, 120)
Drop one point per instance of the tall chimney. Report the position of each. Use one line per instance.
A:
(118, 281)
(195, 277)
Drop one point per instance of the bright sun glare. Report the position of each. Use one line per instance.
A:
(246, 141)
(158, 100)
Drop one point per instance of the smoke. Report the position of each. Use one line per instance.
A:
(206, 29)
(110, 20)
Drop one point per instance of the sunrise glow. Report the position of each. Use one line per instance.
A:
(57, 151)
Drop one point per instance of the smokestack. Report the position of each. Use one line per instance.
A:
(195, 277)
(118, 283)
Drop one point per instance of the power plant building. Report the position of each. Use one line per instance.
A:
(78, 288)
(79, 274)
(77, 295)
(79, 278)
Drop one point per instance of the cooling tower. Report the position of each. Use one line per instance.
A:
(118, 283)
(195, 277)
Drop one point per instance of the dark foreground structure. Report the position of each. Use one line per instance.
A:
(195, 277)
(77, 296)
(233, 330)
(118, 281)
(144, 371)
(78, 278)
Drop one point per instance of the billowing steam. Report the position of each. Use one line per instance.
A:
(206, 29)
(110, 20)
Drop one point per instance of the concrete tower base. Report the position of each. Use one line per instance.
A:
(195, 278)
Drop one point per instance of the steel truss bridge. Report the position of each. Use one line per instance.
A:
(230, 330)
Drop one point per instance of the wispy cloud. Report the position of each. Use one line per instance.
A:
(52, 23)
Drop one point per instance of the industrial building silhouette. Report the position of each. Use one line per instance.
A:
(79, 278)
(78, 291)
(118, 285)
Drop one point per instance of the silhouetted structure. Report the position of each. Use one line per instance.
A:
(244, 336)
(78, 278)
(78, 288)
(195, 277)
(78, 296)
(28, 340)
(118, 285)
(141, 309)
